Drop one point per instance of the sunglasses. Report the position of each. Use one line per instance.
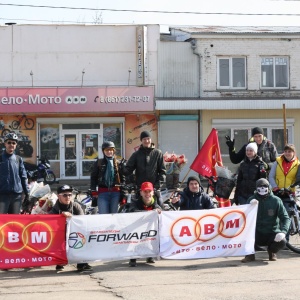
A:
(11, 143)
(66, 195)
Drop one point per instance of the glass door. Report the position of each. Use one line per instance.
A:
(79, 151)
(90, 147)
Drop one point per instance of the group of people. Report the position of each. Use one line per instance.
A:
(258, 160)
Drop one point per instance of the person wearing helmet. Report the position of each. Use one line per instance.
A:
(13, 177)
(107, 176)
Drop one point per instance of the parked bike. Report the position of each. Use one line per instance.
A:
(40, 172)
(292, 205)
(87, 203)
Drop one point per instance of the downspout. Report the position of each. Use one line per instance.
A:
(194, 47)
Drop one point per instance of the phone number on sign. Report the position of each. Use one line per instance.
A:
(122, 99)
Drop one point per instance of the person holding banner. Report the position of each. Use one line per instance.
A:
(146, 202)
(272, 223)
(193, 196)
(251, 169)
(65, 206)
(266, 149)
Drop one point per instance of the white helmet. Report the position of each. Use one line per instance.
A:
(11, 136)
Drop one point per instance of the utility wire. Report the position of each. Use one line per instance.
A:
(147, 11)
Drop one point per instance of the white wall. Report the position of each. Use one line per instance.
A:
(57, 54)
(253, 49)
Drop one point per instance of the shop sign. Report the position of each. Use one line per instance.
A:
(110, 99)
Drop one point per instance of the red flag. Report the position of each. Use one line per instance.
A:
(209, 156)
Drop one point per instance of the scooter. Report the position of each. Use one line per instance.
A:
(40, 172)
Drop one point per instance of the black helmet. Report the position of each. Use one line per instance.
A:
(108, 144)
(11, 136)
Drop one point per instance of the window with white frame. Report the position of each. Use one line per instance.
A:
(231, 72)
(240, 131)
(274, 72)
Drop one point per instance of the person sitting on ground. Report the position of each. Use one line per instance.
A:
(65, 206)
(266, 149)
(272, 223)
(251, 169)
(193, 196)
(146, 202)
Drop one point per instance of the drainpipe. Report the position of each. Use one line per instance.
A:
(194, 47)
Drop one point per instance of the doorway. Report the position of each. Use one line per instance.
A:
(78, 153)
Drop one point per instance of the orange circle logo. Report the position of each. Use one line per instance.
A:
(15, 236)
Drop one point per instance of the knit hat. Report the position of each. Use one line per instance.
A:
(289, 147)
(252, 146)
(145, 134)
(257, 130)
(146, 186)
(261, 182)
(193, 178)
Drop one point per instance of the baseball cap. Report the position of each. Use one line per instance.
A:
(147, 186)
(64, 188)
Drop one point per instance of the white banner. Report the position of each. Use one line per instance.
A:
(112, 236)
(192, 234)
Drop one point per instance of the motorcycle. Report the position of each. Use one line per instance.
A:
(40, 172)
(87, 203)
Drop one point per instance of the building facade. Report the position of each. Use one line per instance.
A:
(64, 89)
(240, 78)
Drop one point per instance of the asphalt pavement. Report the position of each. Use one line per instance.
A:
(215, 278)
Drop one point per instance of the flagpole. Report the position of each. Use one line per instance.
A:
(184, 178)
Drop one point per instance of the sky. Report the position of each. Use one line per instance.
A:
(198, 12)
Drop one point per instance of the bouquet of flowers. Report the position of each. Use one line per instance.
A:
(174, 162)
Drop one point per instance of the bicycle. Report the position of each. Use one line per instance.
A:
(28, 123)
(88, 203)
(292, 205)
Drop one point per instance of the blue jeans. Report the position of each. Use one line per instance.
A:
(10, 203)
(108, 202)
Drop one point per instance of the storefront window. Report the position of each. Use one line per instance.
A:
(112, 132)
(49, 137)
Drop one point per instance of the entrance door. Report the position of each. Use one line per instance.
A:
(79, 152)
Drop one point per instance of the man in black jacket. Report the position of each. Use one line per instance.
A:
(266, 149)
(147, 162)
(193, 196)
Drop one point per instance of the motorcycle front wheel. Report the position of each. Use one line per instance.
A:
(49, 178)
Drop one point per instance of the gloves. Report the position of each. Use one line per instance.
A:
(266, 166)
(254, 202)
(157, 185)
(26, 198)
(279, 237)
(26, 204)
(229, 142)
